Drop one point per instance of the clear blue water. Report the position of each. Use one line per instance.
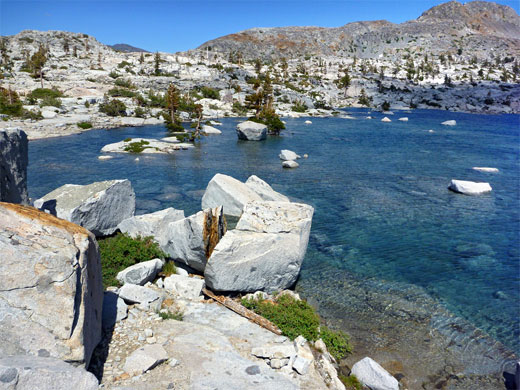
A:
(380, 193)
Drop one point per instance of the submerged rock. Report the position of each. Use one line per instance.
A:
(449, 123)
(264, 252)
(98, 207)
(14, 151)
(51, 291)
(469, 187)
(485, 169)
(251, 131)
(371, 374)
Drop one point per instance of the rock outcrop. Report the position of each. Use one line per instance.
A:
(251, 131)
(264, 252)
(191, 240)
(51, 291)
(226, 191)
(43, 373)
(469, 187)
(14, 153)
(98, 207)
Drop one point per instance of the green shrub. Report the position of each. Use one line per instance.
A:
(113, 107)
(271, 120)
(120, 92)
(293, 317)
(177, 315)
(239, 109)
(10, 103)
(50, 101)
(42, 93)
(210, 93)
(337, 342)
(84, 125)
(299, 106)
(140, 113)
(296, 318)
(169, 268)
(121, 251)
(114, 74)
(123, 63)
(124, 83)
(385, 106)
(351, 382)
(136, 147)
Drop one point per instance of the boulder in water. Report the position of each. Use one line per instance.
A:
(449, 123)
(386, 119)
(372, 375)
(251, 131)
(469, 187)
(288, 155)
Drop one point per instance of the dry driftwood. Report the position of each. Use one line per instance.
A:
(239, 309)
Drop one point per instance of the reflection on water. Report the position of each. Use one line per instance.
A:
(383, 210)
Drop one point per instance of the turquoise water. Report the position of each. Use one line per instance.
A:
(383, 210)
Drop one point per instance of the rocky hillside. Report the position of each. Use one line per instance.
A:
(475, 27)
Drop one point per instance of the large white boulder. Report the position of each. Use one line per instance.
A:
(469, 187)
(98, 207)
(371, 374)
(140, 273)
(43, 373)
(51, 291)
(386, 119)
(191, 240)
(264, 190)
(288, 155)
(226, 191)
(251, 131)
(48, 114)
(149, 224)
(264, 252)
(449, 123)
(14, 153)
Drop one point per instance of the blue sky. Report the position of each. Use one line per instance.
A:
(177, 25)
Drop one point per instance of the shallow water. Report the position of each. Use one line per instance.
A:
(383, 211)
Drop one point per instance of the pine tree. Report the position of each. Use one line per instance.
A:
(141, 59)
(172, 102)
(344, 82)
(157, 59)
(38, 60)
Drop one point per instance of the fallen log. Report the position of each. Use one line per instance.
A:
(244, 312)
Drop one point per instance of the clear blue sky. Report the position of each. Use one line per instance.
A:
(178, 25)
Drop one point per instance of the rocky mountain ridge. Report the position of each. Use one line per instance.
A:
(484, 28)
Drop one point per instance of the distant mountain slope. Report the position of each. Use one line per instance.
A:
(125, 48)
(478, 27)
